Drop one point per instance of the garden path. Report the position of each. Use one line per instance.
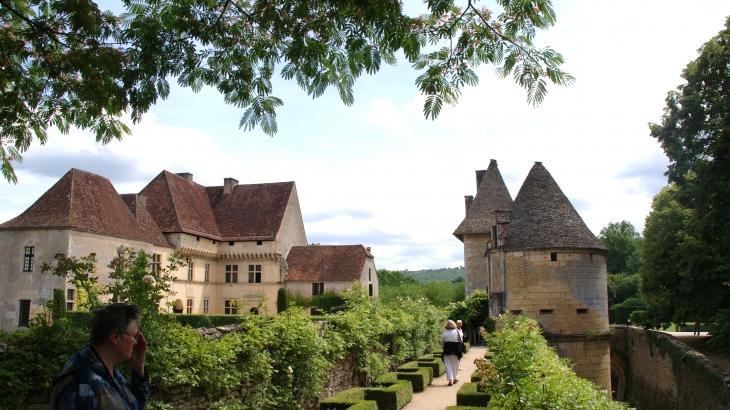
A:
(439, 394)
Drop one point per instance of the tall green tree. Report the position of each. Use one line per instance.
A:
(691, 233)
(624, 246)
(66, 63)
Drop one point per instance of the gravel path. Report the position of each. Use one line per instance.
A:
(439, 394)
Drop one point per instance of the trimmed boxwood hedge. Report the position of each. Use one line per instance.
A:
(384, 378)
(475, 376)
(469, 396)
(437, 366)
(350, 399)
(465, 408)
(80, 320)
(391, 396)
(420, 378)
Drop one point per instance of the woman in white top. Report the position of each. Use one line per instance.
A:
(451, 342)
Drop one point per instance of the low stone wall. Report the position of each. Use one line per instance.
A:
(653, 370)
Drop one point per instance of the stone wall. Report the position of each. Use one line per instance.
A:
(653, 370)
(475, 263)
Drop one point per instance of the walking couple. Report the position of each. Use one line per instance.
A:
(452, 340)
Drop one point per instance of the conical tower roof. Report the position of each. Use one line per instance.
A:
(543, 217)
(492, 194)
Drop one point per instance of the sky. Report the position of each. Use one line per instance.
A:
(378, 173)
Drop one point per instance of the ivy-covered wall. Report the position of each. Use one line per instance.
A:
(659, 372)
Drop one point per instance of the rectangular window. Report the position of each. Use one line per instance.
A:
(370, 274)
(70, 299)
(259, 243)
(229, 308)
(231, 273)
(230, 243)
(24, 312)
(28, 258)
(553, 256)
(189, 307)
(370, 289)
(207, 272)
(206, 304)
(156, 265)
(190, 271)
(254, 273)
(317, 288)
(582, 311)
(546, 311)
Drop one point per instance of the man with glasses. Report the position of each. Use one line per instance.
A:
(90, 379)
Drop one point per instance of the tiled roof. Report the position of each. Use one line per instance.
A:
(492, 194)
(326, 263)
(85, 201)
(543, 217)
(250, 212)
(180, 205)
(144, 219)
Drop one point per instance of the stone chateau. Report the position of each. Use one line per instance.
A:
(241, 242)
(536, 256)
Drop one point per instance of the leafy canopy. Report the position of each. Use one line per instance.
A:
(624, 247)
(66, 63)
(687, 246)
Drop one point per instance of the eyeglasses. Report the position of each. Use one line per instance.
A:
(134, 336)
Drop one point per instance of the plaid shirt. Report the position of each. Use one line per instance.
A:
(85, 384)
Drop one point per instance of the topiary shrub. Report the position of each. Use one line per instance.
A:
(465, 408)
(194, 321)
(350, 399)
(419, 378)
(282, 300)
(469, 396)
(80, 320)
(58, 307)
(437, 367)
(391, 396)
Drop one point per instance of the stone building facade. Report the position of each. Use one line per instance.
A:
(536, 256)
(235, 238)
(323, 268)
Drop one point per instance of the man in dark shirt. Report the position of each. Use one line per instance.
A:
(90, 379)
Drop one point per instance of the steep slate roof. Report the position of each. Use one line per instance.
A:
(326, 263)
(84, 201)
(250, 212)
(492, 194)
(543, 217)
(144, 219)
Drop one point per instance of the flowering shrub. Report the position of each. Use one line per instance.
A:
(526, 373)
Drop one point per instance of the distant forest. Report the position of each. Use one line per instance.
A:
(437, 275)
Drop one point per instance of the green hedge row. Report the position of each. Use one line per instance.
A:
(351, 399)
(82, 320)
(420, 378)
(393, 395)
(465, 408)
(469, 396)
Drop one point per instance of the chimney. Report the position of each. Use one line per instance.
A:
(229, 184)
(142, 200)
(186, 175)
(468, 199)
(480, 176)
